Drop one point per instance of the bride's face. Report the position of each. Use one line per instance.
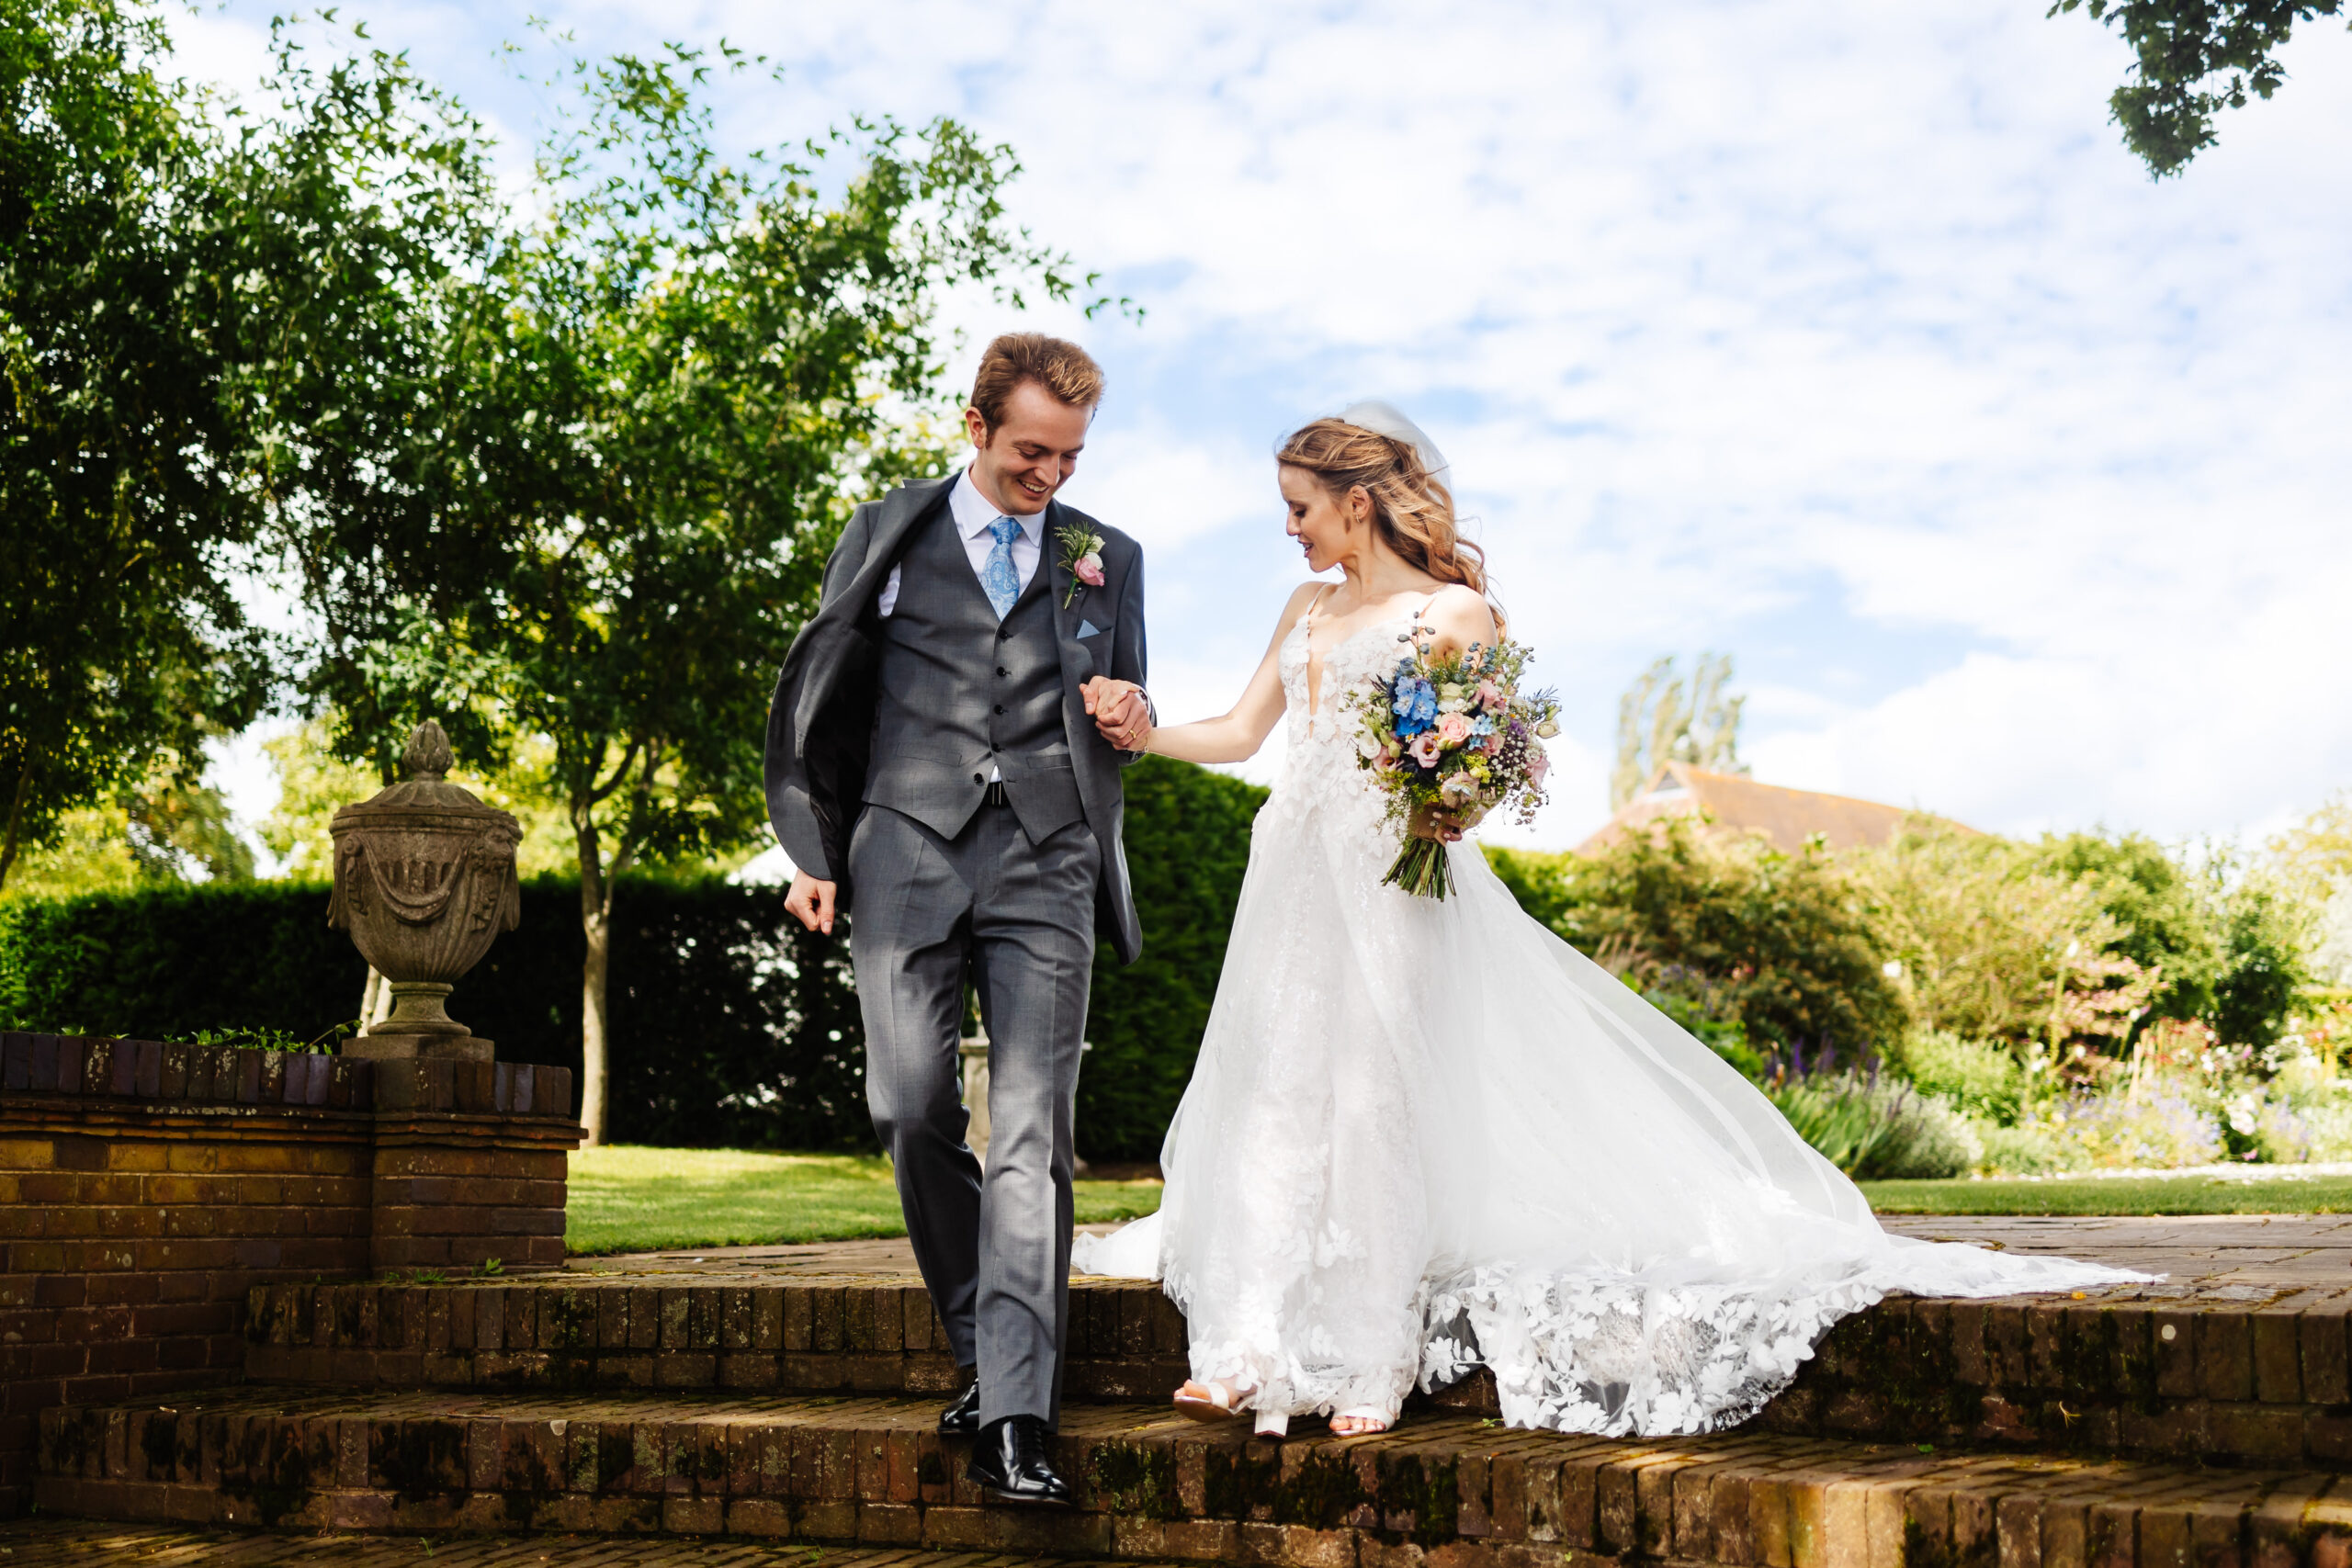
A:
(1329, 528)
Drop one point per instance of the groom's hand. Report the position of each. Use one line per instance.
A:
(812, 901)
(1120, 710)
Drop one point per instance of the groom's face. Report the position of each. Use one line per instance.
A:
(1032, 451)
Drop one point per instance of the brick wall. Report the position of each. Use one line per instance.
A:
(145, 1189)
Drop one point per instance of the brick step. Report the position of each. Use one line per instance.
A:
(581, 1332)
(1153, 1487)
(46, 1542)
(2258, 1380)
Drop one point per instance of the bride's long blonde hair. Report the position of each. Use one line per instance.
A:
(1411, 507)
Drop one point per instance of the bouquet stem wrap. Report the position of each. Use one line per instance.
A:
(1421, 867)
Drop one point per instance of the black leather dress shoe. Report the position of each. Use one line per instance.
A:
(1009, 1463)
(962, 1416)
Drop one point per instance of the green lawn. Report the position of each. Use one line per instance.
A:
(625, 1199)
(640, 1199)
(2186, 1194)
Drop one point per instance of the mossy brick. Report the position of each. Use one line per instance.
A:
(2276, 1353)
(703, 1313)
(826, 1318)
(2225, 1355)
(2173, 1342)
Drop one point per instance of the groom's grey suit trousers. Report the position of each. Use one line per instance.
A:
(1021, 917)
(950, 886)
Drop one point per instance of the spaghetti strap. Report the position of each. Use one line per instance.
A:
(1307, 620)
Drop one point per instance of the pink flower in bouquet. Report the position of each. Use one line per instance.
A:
(1454, 729)
(1089, 567)
(1537, 766)
(1490, 696)
(1424, 748)
(1386, 761)
(1493, 744)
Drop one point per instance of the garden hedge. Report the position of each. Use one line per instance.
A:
(731, 1027)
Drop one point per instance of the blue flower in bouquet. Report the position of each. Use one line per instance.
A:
(1415, 706)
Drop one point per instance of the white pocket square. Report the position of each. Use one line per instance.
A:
(1088, 628)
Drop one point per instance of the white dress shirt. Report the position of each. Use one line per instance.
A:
(975, 513)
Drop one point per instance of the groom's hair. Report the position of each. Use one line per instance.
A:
(1063, 368)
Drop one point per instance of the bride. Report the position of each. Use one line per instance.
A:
(1426, 1135)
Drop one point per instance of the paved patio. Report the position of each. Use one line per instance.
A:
(2222, 1258)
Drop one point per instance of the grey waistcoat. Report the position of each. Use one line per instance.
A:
(960, 694)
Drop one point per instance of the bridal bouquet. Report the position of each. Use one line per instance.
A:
(1454, 734)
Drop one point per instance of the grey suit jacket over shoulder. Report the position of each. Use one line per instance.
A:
(821, 722)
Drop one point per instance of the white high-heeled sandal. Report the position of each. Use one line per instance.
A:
(1224, 1403)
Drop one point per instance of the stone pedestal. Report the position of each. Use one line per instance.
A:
(390, 1047)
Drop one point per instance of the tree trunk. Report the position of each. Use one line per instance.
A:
(16, 820)
(596, 925)
(597, 881)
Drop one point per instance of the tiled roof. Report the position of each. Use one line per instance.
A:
(1740, 805)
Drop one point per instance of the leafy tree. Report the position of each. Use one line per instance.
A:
(1661, 720)
(161, 828)
(2262, 967)
(2192, 59)
(2159, 905)
(345, 232)
(118, 447)
(669, 389)
(220, 331)
(1995, 946)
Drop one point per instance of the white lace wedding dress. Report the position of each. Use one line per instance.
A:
(1423, 1136)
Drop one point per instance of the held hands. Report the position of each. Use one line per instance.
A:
(1120, 712)
(811, 901)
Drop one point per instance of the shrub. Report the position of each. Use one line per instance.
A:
(1704, 1009)
(1984, 1080)
(2119, 1131)
(1873, 1128)
(2019, 1151)
(1985, 933)
(1783, 937)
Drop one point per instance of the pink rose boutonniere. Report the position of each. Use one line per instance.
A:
(1083, 558)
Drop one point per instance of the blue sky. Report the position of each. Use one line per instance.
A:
(1840, 337)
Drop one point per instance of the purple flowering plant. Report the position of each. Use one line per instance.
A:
(1453, 734)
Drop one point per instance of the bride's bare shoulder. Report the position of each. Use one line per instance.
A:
(1461, 614)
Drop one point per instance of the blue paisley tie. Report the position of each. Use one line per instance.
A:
(997, 575)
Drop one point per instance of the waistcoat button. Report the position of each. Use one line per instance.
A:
(977, 779)
(999, 707)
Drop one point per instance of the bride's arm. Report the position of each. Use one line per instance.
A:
(1236, 736)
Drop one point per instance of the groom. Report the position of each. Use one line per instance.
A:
(946, 740)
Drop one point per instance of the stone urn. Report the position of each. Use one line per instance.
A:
(423, 882)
